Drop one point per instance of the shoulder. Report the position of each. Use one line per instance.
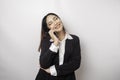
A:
(75, 37)
(45, 41)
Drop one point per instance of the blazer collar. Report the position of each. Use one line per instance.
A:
(67, 36)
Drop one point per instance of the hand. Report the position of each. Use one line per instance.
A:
(53, 36)
(47, 70)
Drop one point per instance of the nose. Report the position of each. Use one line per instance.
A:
(55, 23)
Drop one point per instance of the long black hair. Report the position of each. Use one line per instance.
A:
(45, 29)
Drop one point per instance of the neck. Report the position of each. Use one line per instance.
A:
(61, 35)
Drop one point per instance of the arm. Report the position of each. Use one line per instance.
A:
(47, 54)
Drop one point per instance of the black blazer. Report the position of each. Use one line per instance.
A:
(72, 60)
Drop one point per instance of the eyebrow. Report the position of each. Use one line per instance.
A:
(49, 22)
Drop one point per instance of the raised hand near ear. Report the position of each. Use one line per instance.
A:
(53, 36)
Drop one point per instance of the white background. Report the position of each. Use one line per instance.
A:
(96, 22)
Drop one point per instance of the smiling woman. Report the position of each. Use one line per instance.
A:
(60, 51)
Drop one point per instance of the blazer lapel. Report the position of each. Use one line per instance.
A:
(68, 49)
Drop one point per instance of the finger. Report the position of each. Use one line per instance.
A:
(42, 68)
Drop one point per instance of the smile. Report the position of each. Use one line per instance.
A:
(57, 26)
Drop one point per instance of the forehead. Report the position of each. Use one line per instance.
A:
(50, 17)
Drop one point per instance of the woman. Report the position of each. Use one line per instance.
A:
(60, 52)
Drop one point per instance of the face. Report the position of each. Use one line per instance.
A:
(53, 22)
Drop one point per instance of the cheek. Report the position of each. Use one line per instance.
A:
(48, 27)
(59, 20)
(51, 26)
(61, 23)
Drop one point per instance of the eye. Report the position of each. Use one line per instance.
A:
(55, 18)
(49, 23)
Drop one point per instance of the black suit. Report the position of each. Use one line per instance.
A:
(72, 60)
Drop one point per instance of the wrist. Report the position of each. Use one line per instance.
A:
(56, 43)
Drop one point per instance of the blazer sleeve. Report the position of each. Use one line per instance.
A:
(46, 55)
(74, 62)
